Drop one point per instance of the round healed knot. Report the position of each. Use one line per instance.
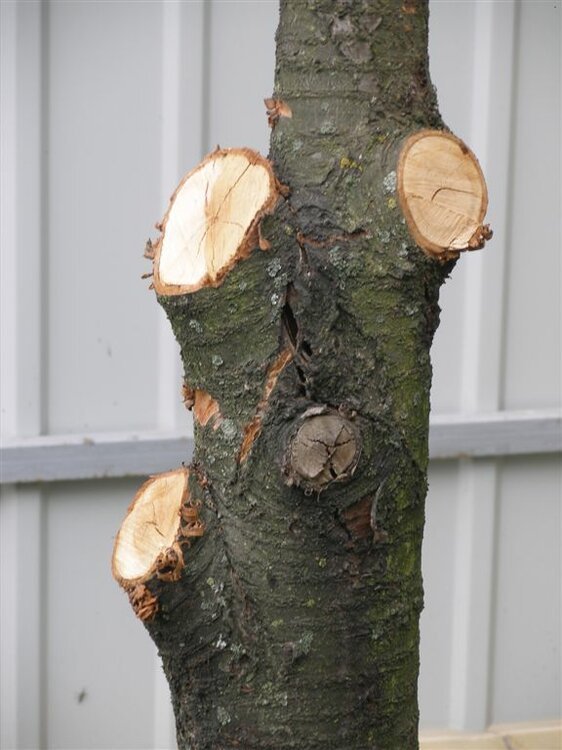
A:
(324, 448)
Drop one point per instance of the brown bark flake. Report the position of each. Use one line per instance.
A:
(253, 429)
(144, 604)
(169, 563)
(357, 519)
(188, 396)
(275, 109)
(191, 525)
(206, 409)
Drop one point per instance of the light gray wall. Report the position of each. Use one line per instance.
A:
(104, 106)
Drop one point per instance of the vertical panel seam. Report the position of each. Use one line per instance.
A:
(206, 61)
(8, 186)
(167, 368)
(44, 222)
(470, 703)
(44, 618)
(515, 68)
(514, 85)
(43, 410)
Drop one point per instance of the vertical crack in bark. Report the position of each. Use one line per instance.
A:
(290, 326)
(292, 333)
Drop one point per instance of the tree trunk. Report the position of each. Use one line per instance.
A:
(291, 621)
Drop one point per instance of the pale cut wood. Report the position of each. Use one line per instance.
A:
(443, 194)
(151, 527)
(213, 219)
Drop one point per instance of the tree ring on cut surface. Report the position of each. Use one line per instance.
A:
(442, 193)
(212, 221)
(146, 543)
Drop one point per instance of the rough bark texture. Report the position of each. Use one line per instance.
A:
(295, 621)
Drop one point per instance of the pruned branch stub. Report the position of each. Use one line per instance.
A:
(147, 543)
(443, 194)
(213, 220)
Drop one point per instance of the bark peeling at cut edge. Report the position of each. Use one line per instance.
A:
(144, 604)
(294, 622)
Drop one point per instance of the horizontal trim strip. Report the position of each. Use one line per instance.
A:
(503, 433)
(99, 456)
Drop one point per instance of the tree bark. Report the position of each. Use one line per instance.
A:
(294, 621)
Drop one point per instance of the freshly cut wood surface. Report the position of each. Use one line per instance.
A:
(150, 527)
(443, 193)
(212, 220)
